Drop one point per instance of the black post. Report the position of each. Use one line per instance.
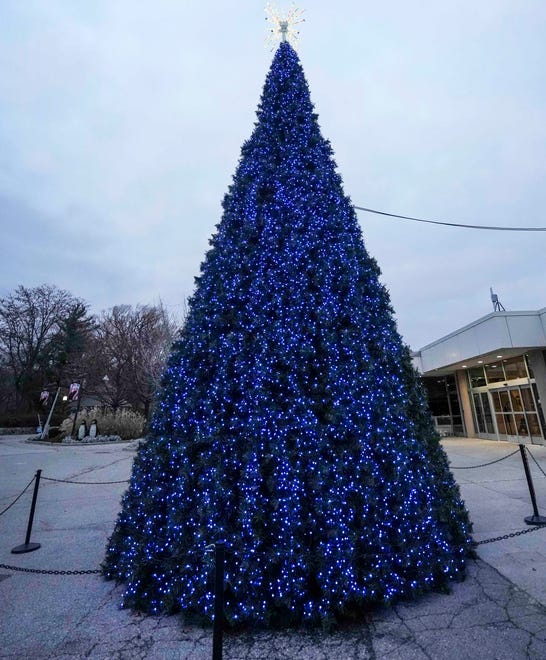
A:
(535, 519)
(77, 409)
(217, 631)
(27, 546)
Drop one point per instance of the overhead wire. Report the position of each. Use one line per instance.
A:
(448, 224)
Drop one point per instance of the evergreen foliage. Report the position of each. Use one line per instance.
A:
(290, 421)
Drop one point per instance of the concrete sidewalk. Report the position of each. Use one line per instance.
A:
(498, 499)
(68, 617)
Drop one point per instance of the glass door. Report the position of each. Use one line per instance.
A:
(516, 414)
(482, 413)
(504, 415)
(529, 412)
(488, 417)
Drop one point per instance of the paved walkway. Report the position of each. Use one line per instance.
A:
(68, 617)
(498, 500)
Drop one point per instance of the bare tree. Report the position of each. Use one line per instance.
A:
(131, 345)
(41, 331)
(154, 332)
(110, 362)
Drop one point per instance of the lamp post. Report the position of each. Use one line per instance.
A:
(45, 430)
(78, 404)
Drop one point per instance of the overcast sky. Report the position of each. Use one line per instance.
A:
(121, 123)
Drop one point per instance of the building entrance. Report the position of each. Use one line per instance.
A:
(505, 402)
(516, 413)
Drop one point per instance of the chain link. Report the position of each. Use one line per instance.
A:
(86, 483)
(210, 548)
(511, 535)
(18, 496)
(49, 572)
(471, 467)
(535, 461)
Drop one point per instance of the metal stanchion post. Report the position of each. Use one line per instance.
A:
(27, 546)
(217, 631)
(535, 519)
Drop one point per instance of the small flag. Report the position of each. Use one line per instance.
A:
(74, 391)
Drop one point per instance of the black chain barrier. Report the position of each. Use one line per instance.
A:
(511, 535)
(86, 483)
(18, 496)
(472, 467)
(212, 547)
(49, 572)
(95, 571)
(535, 461)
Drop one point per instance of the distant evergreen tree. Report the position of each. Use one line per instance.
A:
(290, 421)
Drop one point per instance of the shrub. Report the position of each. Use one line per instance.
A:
(126, 423)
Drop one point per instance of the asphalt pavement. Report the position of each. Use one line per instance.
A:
(497, 612)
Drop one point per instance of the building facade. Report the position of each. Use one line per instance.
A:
(488, 379)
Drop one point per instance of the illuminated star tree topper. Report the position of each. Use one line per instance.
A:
(283, 24)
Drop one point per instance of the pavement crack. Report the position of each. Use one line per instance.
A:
(85, 471)
(91, 611)
(367, 641)
(411, 636)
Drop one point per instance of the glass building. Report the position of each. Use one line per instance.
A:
(488, 379)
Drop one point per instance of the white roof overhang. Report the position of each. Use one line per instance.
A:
(498, 334)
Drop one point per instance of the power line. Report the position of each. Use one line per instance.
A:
(450, 224)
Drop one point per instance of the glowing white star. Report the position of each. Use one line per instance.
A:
(283, 24)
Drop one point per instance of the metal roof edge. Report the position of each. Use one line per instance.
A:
(481, 320)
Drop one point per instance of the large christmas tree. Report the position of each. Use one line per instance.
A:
(290, 422)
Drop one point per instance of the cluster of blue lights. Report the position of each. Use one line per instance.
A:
(290, 423)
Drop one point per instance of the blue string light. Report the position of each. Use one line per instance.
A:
(290, 421)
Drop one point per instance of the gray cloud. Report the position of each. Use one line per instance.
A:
(121, 125)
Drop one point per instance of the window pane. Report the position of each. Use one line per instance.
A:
(521, 425)
(494, 373)
(528, 402)
(496, 401)
(479, 416)
(540, 410)
(500, 424)
(487, 413)
(505, 401)
(533, 425)
(476, 376)
(509, 424)
(451, 386)
(516, 400)
(515, 368)
(437, 397)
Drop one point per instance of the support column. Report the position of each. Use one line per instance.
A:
(466, 404)
(537, 362)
